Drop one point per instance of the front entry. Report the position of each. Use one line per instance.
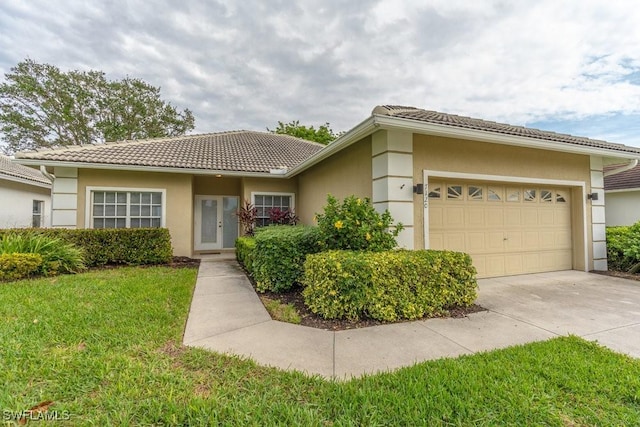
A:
(215, 222)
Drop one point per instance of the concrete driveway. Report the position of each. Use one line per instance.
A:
(596, 307)
(227, 316)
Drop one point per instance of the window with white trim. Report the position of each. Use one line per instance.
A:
(36, 217)
(126, 209)
(265, 202)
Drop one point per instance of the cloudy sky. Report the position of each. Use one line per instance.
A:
(571, 66)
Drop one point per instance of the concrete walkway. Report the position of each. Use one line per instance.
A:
(227, 316)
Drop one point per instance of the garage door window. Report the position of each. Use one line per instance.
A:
(454, 192)
(546, 196)
(434, 192)
(475, 193)
(513, 195)
(529, 195)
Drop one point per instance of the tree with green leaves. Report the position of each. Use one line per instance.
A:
(42, 106)
(324, 134)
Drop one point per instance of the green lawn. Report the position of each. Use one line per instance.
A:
(104, 346)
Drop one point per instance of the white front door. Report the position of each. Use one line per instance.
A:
(215, 222)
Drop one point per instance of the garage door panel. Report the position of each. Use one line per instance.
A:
(546, 217)
(455, 242)
(476, 242)
(507, 229)
(513, 217)
(454, 217)
(514, 241)
(495, 217)
(475, 217)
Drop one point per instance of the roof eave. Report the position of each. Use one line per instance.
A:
(622, 190)
(135, 168)
(386, 122)
(24, 181)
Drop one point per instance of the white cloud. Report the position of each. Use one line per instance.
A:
(249, 64)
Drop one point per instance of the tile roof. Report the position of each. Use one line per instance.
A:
(238, 151)
(622, 180)
(11, 169)
(417, 114)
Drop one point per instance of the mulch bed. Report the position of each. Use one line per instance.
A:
(621, 274)
(308, 318)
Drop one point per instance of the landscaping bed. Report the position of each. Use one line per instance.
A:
(308, 318)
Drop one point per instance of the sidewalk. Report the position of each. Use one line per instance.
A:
(227, 316)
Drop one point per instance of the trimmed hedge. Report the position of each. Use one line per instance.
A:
(133, 246)
(280, 251)
(623, 248)
(18, 266)
(245, 250)
(388, 285)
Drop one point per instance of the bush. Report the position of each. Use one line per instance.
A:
(57, 256)
(15, 266)
(132, 246)
(245, 250)
(623, 248)
(279, 255)
(356, 225)
(388, 285)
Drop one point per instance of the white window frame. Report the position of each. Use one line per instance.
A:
(88, 210)
(274, 193)
(40, 214)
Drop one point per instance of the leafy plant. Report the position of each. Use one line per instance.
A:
(102, 246)
(388, 285)
(245, 251)
(623, 248)
(283, 216)
(355, 225)
(57, 255)
(247, 217)
(279, 255)
(324, 134)
(15, 266)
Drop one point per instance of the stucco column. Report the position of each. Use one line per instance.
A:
(598, 230)
(64, 198)
(392, 174)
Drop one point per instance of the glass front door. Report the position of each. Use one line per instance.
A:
(215, 223)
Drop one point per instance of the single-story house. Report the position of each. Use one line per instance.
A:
(622, 193)
(25, 196)
(519, 200)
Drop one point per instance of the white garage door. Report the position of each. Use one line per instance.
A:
(507, 229)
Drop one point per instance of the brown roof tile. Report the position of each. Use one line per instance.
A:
(417, 114)
(11, 169)
(238, 151)
(622, 180)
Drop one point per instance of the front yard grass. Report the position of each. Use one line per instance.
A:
(104, 346)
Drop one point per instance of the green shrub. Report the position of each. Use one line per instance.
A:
(57, 255)
(388, 285)
(356, 225)
(15, 266)
(133, 246)
(279, 255)
(245, 250)
(623, 248)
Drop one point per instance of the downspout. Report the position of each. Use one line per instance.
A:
(43, 171)
(632, 164)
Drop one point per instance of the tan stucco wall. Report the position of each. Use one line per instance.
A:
(455, 155)
(343, 174)
(179, 203)
(212, 186)
(271, 185)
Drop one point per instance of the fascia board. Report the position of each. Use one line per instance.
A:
(26, 161)
(24, 181)
(386, 122)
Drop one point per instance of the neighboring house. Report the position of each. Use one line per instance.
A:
(622, 194)
(25, 196)
(518, 200)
